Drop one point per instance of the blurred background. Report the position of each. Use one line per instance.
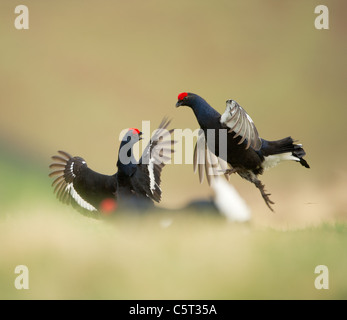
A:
(85, 70)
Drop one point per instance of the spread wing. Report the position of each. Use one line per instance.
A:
(146, 179)
(76, 184)
(240, 123)
(206, 162)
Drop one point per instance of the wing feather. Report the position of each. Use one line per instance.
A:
(147, 177)
(75, 183)
(206, 162)
(239, 122)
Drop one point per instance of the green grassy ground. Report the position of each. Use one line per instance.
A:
(72, 257)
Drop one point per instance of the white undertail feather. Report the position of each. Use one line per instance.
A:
(229, 202)
(273, 160)
(84, 204)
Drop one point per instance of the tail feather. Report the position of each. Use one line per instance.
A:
(304, 163)
(284, 146)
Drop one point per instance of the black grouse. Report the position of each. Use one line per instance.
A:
(234, 139)
(136, 184)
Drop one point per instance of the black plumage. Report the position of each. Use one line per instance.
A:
(136, 184)
(236, 143)
(139, 181)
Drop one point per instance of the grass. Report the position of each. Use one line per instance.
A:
(73, 257)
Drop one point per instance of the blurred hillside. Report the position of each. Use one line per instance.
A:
(85, 70)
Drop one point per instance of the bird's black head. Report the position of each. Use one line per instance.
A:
(125, 154)
(133, 135)
(186, 99)
(204, 113)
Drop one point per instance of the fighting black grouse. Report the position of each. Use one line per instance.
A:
(137, 183)
(234, 139)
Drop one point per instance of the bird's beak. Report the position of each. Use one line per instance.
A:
(179, 103)
(140, 134)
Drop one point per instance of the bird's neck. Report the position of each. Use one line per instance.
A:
(205, 114)
(126, 161)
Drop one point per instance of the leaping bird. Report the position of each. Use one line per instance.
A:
(236, 141)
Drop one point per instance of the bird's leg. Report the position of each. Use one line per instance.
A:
(265, 195)
(230, 171)
(252, 177)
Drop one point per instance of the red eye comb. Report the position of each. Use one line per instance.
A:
(134, 130)
(182, 95)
